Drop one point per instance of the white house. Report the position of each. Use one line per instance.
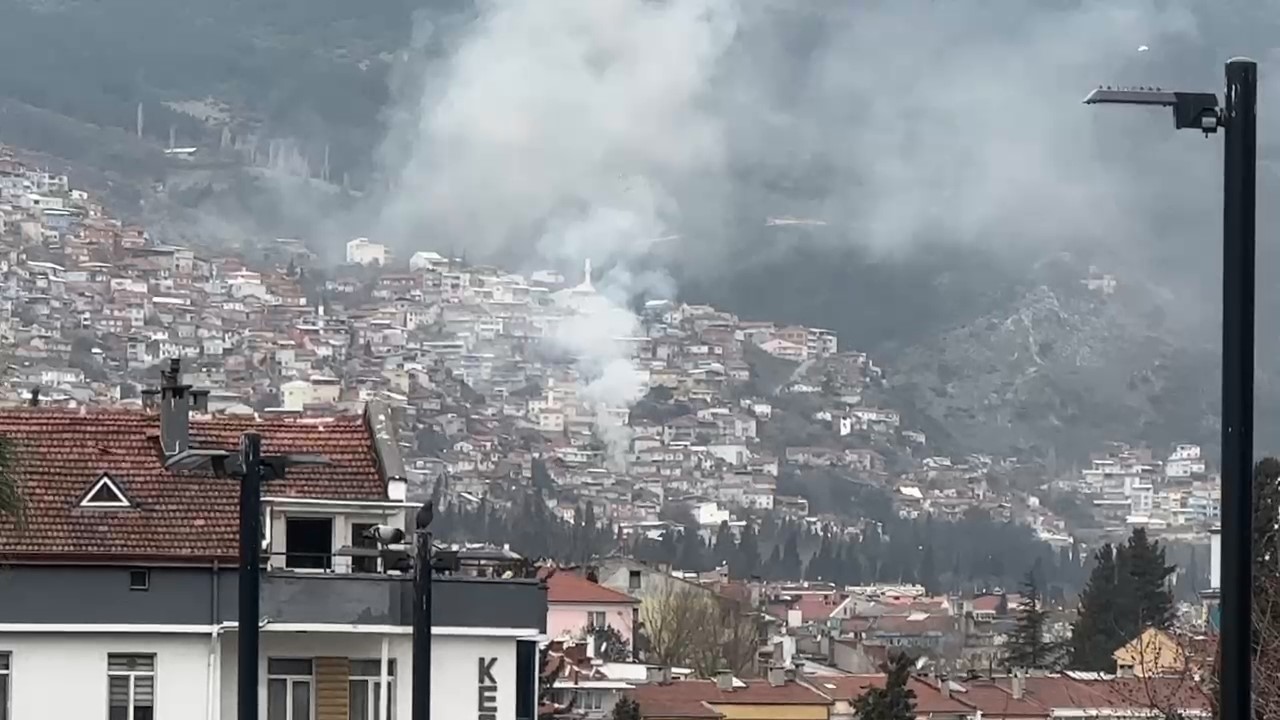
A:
(124, 608)
(362, 252)
(1185, 461)
(427, 260)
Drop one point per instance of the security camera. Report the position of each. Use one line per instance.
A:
(385, 534)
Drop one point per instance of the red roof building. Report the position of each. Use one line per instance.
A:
(96, 486)
(706, 699)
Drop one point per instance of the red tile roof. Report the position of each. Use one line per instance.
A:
(756, 692)
(929, 698)
(566, 587)
(175, 516)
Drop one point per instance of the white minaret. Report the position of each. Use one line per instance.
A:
(586, 274)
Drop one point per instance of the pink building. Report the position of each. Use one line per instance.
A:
(574, 604)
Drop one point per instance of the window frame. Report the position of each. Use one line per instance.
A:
(290, 679)
(371, 680)
(6, 683)
(326, 563)
(131, 706)
(603, 616)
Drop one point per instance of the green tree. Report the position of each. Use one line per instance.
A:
(626, 709)
(748, 554)
(725, 547)
(610, 645)
(1147, 600)
(894, 701)
(1027, 646)
(1096, 634)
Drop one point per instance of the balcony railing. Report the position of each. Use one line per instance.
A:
(398, 561)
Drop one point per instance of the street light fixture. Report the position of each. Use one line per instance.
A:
(252, 468)
(1238, 117)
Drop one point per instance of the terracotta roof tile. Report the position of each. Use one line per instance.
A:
(756, 692)
(929, 698)
(176, 516)
(566, 587)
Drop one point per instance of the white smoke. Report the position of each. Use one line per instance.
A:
(555, 120)
(597, 334)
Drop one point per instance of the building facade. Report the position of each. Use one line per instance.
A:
(118, 600)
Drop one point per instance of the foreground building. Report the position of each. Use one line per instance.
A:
(118, 595)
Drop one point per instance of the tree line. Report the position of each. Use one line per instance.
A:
(977, 553)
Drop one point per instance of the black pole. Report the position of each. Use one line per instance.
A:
(1238, 246)
(250, 561)
(422, 622)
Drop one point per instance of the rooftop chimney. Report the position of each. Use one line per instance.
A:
(778, 676)
(724, 681)
(35, 397)
(944, 685)
(1016, 682)
(175, 409)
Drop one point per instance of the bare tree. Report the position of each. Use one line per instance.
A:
(690, 626)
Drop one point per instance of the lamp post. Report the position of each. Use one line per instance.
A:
(252, 468)
(422, 572)
(1238, 118)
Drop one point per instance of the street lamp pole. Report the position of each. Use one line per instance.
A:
(1239, 168)
(250, 563)
(422, 572)
(1238, 117)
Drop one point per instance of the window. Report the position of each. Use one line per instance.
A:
(131, 687)
(589, 700)
(633, 580)
(4, 686)
(596, 619)
(366, 690)
(308, 543)
(289, 689)
(139, 579)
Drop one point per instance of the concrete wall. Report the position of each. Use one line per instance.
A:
(62, 594)
(455, 683)
(58, 675)
(569, 619)
(182, 596)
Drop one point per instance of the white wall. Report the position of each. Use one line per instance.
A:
(63, 675)
(454, 687)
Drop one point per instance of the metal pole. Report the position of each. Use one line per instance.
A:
(422, 625)
(1238, 246)
(250, 561)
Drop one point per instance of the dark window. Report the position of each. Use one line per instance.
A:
(4, 686)
(633, 580)
(139, 579)
(363, 564)
(526, 680)
(308, 543)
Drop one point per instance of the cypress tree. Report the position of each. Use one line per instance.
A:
(1095, 634)
(791, 564)
(1027, 646)
(894, 701)
(725, 547)
(748, 554)
(1147, 600)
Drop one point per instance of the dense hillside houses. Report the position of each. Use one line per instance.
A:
(623, 467)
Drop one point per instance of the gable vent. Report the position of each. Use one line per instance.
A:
(105, 493)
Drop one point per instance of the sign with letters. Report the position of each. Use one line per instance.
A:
(487, 689)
